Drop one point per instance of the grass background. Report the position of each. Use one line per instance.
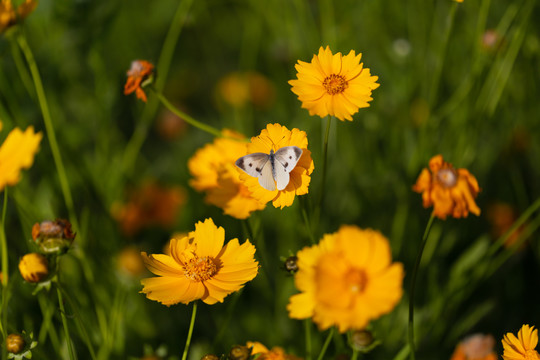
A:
(441, 91)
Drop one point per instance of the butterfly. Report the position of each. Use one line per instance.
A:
(271, 169)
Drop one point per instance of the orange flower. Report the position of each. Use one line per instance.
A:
(502, 216)
(214, 172)
(346, 280)
(237, 89)
(475, 347)
(200, 266)
(9, 16)
(276, 353)
(138, 74)
(149, 205)
(522, 347)
(334, 85)
(450, 191)
(275, 137)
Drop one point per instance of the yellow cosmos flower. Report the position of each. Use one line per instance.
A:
(333, 85)
(450, 191)
(9, 16)
(214, 172)
(346, 280)
(275, 137)
(475, 347)
(276, 353)
(199, 267)
(17, 153)
(522, 347)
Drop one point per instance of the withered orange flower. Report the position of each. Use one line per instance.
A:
(450, 191)
(140, 71)
(475, 347)
(150, 205)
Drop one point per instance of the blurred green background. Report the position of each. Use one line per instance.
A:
(459, 80)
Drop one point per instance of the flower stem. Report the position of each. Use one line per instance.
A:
(165, 58)
(413, 284)
(64, 322)
(354, 355)
(326, 343)
(5, 268)
(49, 128)
(325, 161)
(204, 127)
(190, 332)
(307, 327)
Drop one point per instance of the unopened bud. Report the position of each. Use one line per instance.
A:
(34, 267)
(15, 343)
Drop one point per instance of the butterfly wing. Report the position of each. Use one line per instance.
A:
(257, 165)
(286, 159)
(253, 164)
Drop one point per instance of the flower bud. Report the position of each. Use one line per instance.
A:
(361, 339)
(15, 343)
(210, 357)
(239, 352)
(34, 267)
(53, 236)
(291, 264)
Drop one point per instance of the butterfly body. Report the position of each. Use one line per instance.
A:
(272, 169)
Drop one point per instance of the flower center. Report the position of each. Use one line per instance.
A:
(335, 84)
(531, 355)
(200, 268)
(356, 280)
(447, 177)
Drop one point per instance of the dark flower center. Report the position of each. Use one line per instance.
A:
(335, 84)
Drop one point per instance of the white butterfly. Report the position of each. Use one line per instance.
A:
(273, 168)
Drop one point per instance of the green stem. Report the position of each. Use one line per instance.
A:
(49, 128)
(326, 343)
(190, 332)
(165, 58)
(354, 354)
(307, 327)
(413, 284)
(204, 127)
(325, 158)
(306, 220)
(64, 322)
(3, 242)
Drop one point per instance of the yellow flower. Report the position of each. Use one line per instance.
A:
(450, 191)
(199, 267)
(17, 153)
(214, 172)
(475, 347)
(34, 267)
(333, 85)
(275, 137)
(276, 353)
(522, 347)
(346, 280)
(239, 88)
(9, 16)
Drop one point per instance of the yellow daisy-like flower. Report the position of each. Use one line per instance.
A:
(450, 191)
(10, 16)
(17, 153)
(214, 172)
(333, 85)
(522, 347)
(199, 267)
(275, 137)
(347, 280)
